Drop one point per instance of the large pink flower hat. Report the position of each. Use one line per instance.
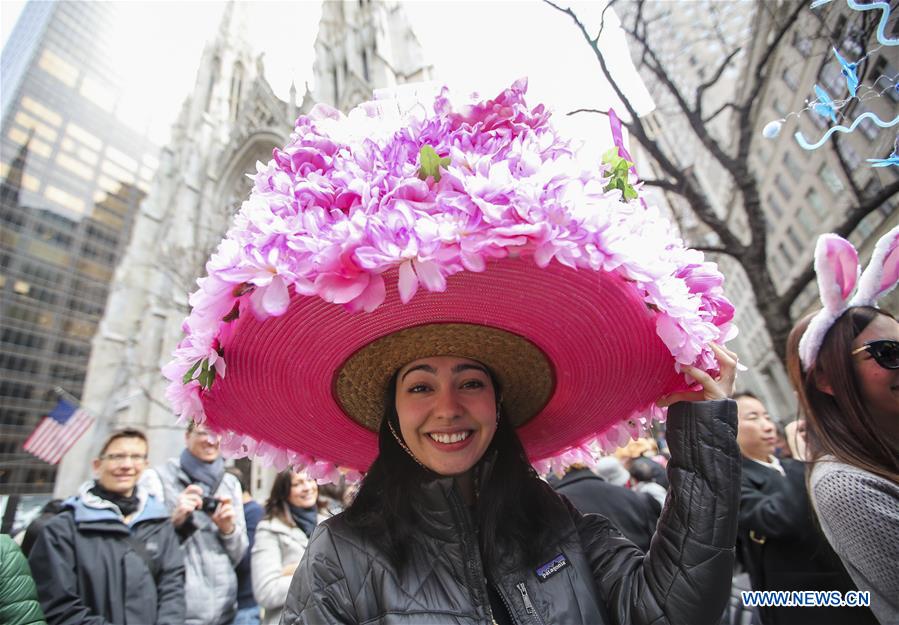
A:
(422, 225)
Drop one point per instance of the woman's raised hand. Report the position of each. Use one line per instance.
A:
(721, 387)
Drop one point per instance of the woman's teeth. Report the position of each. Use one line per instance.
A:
(446, 439)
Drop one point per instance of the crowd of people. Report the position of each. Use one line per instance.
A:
(467, 307)
(181, 543)
(186, 542)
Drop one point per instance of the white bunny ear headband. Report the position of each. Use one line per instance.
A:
(836, 263)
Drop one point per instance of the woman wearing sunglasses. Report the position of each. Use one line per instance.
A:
(844, 364)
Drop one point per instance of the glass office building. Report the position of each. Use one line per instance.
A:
(72, 178)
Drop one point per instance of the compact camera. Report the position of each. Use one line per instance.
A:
(210, 504)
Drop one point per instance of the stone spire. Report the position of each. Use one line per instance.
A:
(11, 186)
(363, 46)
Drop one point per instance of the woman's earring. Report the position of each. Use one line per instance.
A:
(405, 447)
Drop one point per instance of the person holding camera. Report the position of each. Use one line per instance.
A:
(207, 511)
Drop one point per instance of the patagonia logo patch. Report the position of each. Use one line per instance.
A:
(545, 571)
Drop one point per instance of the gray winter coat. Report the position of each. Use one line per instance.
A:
(209, 556)
(88, 572)
(591, 574)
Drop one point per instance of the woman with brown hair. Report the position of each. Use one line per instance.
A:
(469, 311)
(844, 363)
(292, 511)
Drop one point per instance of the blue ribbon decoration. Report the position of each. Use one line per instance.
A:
(881, 27)
(805, 145)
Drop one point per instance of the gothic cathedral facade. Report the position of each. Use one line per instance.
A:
(231, 120)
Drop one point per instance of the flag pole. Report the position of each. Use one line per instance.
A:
(62, 393)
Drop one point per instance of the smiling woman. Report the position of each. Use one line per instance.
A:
(431, 292)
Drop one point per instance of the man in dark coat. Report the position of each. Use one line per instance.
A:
(778, 541)
(112, 555)
(634, 514)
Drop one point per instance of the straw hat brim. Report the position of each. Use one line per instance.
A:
(522, 370)
(575, 351)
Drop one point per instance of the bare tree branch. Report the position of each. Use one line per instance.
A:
(575, 111)
(720, 110)
(667, 185)
(602, 19)
(692, 115)
(712, 250)
(700, 91)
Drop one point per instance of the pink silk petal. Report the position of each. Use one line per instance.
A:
(276, 298)
(408, 282)
(429, 275)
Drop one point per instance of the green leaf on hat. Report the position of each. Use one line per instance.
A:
(206, 376)
(190, 373)
(430, 163)
(619, 174)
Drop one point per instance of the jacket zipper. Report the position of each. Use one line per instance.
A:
(528, 606)
(473, 556)
(499, 591)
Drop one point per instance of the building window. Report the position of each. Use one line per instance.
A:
(830, 178)
(58, 68)
(814, 200)
(365, 65)
(791, 76)
(775, 207)
(834, 82)
(236, 87)
(783, 187)
(334, 84)
(802, 43)
(797, 243)
(853, 160)
(807, 218)
(838, 28)
(792, 166)
(213, 79)
(779, 108)
(865, 228)
(98, 92)
(785, 254)
(885, 75)
(48, 115)
(868, 127)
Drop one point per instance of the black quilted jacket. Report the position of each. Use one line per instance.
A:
(592, 573)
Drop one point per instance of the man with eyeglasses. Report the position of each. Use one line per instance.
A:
(206, 510)
(111, 555)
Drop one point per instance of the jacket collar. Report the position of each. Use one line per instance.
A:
(89, 508)
(441, 507)
(577, 475)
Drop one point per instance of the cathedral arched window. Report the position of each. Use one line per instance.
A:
(213, 79)
(236, 86)
(365, 64)
(334, 80)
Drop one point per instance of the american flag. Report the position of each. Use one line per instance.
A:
(58, 431)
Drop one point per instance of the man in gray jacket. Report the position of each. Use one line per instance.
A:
(207, 512)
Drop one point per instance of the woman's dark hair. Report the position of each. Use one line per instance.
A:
(276, 506)
(840, 424)
(513, 502)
